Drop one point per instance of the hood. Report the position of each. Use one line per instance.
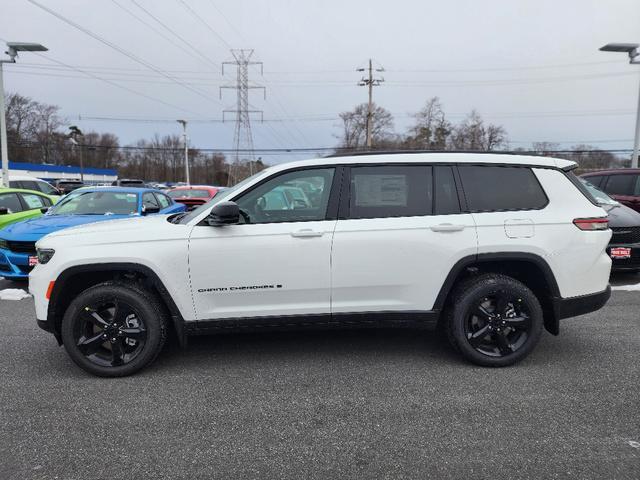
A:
(34, 229)
(622, 216)
(123, 224)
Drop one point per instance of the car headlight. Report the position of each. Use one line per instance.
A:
(4, 244)
(44, 254)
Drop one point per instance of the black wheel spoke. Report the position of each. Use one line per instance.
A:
(135, 333)
(89, 346)
(482, 312)
(117, 353)
(520, 322)
(503, 343)
(501, 304)
(477, 337)
(95, 318)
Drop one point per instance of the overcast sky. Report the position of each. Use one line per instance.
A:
(532, 66)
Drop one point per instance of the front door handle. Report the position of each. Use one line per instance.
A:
(447, 227)
(305, 233)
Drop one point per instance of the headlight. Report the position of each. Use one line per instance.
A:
(3, 244)
(44, 254)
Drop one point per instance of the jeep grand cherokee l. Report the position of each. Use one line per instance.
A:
(492, 248)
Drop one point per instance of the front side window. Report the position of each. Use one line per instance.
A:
(46, 188)
(492, 188)
(163, 200)
(390, 191)
(149, 201)
(97, 203)
(621, 184)
(34, 201)
(11, 202)
(281, 199)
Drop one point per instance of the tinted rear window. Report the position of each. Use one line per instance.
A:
(492, 188)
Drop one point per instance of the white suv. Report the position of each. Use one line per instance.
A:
(489, 247)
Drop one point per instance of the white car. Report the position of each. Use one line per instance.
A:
(491, 247)
(27, 182)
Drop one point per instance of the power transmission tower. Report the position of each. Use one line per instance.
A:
(242, 138)
(370, 82)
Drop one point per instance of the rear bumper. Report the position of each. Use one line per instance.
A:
(574, 306)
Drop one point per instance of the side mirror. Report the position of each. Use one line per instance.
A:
(224, 213)
(4, 210)
(147, 210)
(44, 209)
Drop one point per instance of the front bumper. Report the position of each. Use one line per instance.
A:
(574, 306)
(14, 265)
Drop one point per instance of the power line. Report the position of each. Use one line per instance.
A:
(203, 22)
(124, 52)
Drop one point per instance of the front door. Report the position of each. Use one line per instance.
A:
(277, 261)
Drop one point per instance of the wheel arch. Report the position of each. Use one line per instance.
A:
(78, 278)
(529, 268)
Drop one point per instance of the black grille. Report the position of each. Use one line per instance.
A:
(625, 235)
(22, 247)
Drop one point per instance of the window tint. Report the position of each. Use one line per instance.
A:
(33, 201)
(163, 200)
(149, 200)
(390, 191)
(11, 202)
(594, 180)
(29, 185)
(280, 199)
(488, 188)
(446, 195)
(621, 184)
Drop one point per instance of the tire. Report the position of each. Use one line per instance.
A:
(493, 320)
(114, 329)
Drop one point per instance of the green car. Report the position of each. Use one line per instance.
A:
(17, 204)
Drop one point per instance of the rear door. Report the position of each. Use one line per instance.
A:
(400, 231)
(624, 188)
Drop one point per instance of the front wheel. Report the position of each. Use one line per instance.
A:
(114, 329)
(494, 320)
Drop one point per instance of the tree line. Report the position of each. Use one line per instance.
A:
(37, 133)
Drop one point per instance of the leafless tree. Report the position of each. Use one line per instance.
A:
(473, 134)
(431, 128)
(354, 126)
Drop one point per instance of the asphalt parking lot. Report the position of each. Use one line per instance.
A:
(347, 404)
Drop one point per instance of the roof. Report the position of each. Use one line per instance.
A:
(613, 171)
(432, 157)
(42, 167)
(23, 190)
(196, 187)
(116, 189)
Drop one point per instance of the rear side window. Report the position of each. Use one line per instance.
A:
(491, 188)
(390, 191)
(446, 195)
(622, 185)
(34, 201)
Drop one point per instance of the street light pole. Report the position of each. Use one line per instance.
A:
(3, 134)
(12, 51)
(634, 59)
(186, 149)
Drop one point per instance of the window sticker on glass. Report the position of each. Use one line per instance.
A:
(378, 190)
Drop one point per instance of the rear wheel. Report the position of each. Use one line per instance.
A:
(114, 329)
(494, 320)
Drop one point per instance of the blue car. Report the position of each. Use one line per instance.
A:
(85, 205)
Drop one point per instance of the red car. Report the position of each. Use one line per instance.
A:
(194, 195)
(622, 184)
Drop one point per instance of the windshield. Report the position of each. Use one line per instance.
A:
(97, 203)
(222, 195)
(598, 195)
(192, 193)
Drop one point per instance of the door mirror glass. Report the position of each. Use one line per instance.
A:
(44, 209)
(224, 213)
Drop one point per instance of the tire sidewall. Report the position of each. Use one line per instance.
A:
(151, 319)
(486, 287)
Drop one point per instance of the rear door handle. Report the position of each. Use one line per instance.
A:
(305, 233)
(447, 227)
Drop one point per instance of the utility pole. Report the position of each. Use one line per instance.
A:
(74, 134)
(242, 137)
(186, 150)
(370, 82)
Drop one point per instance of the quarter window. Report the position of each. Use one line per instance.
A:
(291, 197)
(492, 188)
(390, 191)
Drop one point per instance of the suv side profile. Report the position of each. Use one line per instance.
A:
(490, 248)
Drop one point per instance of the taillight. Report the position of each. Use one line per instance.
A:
(601, 223)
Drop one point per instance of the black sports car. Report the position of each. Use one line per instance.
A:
(624, 246)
